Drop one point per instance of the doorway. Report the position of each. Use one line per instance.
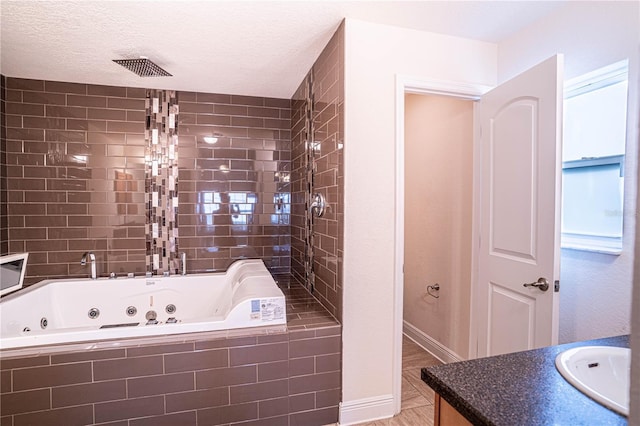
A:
(407, 85)
(438, 173)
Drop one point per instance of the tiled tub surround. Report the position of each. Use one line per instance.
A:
(267, 377)
(323, 139)
(75, 178)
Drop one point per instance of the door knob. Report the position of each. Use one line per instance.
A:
(542, 284)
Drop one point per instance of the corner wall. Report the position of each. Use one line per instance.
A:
(374, 56)
(322, 95)
(595, 290)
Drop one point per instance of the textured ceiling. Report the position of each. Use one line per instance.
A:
(259, 48)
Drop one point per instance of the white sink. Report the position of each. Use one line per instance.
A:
(600, 372)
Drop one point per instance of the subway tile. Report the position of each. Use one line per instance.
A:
(187, 418)
(11, 121)
(301, 366)
(67, 136)
(105, 138)
(44, 98)
(159, 349)
(184, 401)
(106, 114)
(247, 100)
(247, 122)
(65, 396)
(155, 385)
(129, 409)
(273, 370)
(184, 96)
(278, 103)
(302, 402)
(25, 134)
(328, 398)
(88, 125)
(14, 95)
(273, 407)
(134, 115)
(194, 107)
(258, 391)
(219, 377)
(63, 87)
(217, 120)
(24, 402)
(55, 375)
(71, 416)
(24, 84)
(125, 127)
(65, 111)
(263, 112)
(323, 416)
(127, 367)
(5, 381)
(24, 109)
(227, 414)
(325, 363)
(136, 92)
(231, 110)
(44, 245)
(196, 360)
(93, 89)
(127, 103)
(316, 382)
(210, 98)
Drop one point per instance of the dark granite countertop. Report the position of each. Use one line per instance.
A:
(522, 388)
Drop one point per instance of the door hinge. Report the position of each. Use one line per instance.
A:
(556, 286)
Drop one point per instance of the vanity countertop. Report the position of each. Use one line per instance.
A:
(522, 388)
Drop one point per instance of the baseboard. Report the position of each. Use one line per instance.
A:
(366, 410)
(430, 344)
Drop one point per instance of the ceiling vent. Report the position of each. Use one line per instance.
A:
(143, 67)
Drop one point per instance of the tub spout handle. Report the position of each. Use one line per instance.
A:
(183, 261)
(92, 259)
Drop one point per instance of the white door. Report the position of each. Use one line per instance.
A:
(521, 122)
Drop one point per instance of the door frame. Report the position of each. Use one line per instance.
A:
(473, 92)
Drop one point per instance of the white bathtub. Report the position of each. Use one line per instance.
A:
(64, 311)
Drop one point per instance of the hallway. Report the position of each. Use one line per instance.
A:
(417, 397)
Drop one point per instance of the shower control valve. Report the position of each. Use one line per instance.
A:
(318, 205)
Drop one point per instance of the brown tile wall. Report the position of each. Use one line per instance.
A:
(4, 221)
(75, 176)
(328, 115)
(75, 173)
(234, 195)
(282, 379)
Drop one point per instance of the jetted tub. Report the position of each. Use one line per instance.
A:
(80, 310)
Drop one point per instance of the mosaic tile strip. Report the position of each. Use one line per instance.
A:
(310, 148)
(161, 181)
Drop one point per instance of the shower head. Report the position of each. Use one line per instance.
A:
(143, 67)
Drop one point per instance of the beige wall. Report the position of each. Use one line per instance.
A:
(438, 214)
(596, 288)
(374, 57)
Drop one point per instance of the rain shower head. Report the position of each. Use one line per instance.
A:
(143, 67)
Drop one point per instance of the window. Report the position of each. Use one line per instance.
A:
(593, 160)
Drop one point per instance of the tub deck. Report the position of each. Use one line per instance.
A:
(267, 375)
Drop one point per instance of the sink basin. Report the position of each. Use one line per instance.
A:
(600, 372)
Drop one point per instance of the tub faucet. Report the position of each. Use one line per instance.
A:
(183, 258)
(92, 259)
